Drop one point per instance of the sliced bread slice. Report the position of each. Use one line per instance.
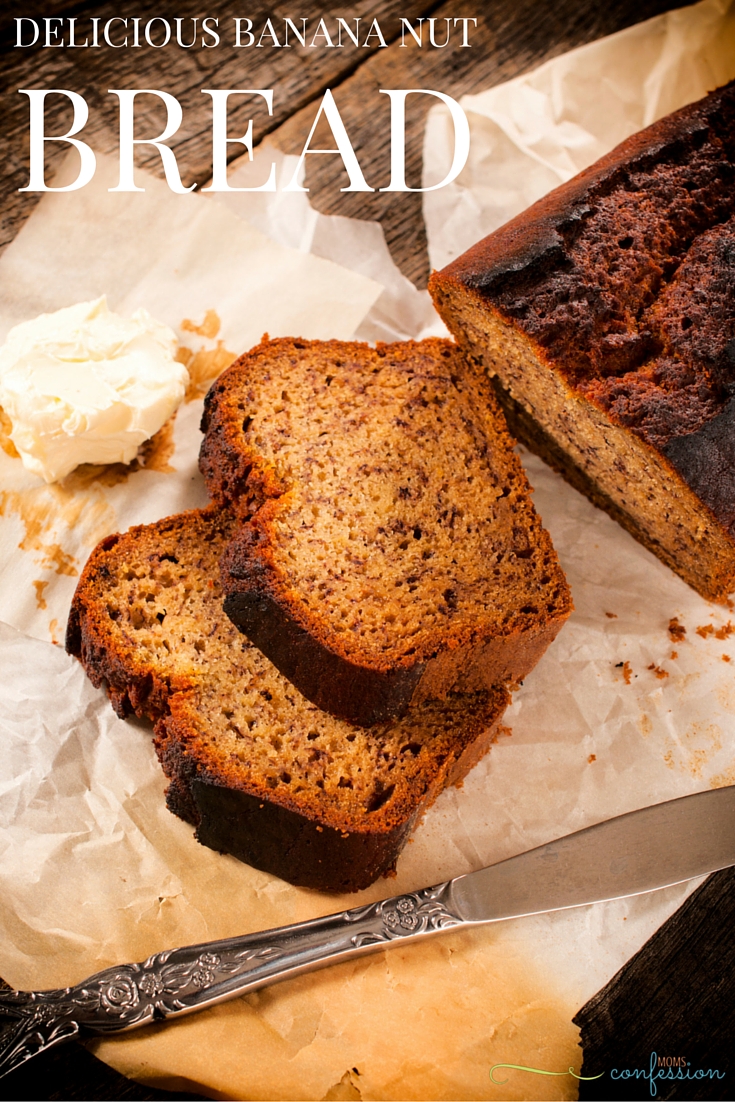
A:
(389, 551)
(259, 770)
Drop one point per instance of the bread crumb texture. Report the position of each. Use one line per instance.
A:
(381, 496)
(147, 621)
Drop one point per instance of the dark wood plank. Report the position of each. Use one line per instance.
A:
(512, 37)
(298, 75)
(674, 998)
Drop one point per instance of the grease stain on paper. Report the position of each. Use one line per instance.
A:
(203, 364)
(39, 587)
(722, 780)
(38, 520)
(77, 504)
(694, 750)
(494, 1006)
(725, 692)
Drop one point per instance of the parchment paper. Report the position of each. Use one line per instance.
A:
(94, 869)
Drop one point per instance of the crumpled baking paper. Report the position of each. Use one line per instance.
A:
(399, 313)
(622, 711)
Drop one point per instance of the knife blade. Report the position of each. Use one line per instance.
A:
(641, 851)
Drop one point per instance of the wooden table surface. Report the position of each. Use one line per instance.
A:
(511, 37)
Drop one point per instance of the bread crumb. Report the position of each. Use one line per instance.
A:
(726, 658)
(611, 615)
(660, 674)
(674, 654)
(677, 631)
(627, 671)
(725, 631)
(591, 758)
(705, 630)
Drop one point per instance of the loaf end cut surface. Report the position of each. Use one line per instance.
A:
(605, 318)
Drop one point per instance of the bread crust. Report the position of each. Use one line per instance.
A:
(296, 845)
(532, 242)
(338, 672)
(623, 352)
(235, 806)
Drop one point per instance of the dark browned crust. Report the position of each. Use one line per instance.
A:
(531, 244)
(361, 694)
(502, 272)
(292, 845)
(706, 461)
(288, 845)
(366, 696)
(260, 602)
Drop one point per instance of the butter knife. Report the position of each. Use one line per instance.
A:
(654, 847)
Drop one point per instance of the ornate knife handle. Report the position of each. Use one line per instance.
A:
(180, 981)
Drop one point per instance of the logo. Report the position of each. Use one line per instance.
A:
(666, 1067)
(538, 1071)
(659, 1067)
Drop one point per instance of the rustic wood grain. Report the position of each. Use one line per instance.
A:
(673, 998)
(298, 75)
(511, 38)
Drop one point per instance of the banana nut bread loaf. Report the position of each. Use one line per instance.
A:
(389, 551)
(259, 771)
(605, 315)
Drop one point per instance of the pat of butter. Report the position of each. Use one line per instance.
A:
(84, 385)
